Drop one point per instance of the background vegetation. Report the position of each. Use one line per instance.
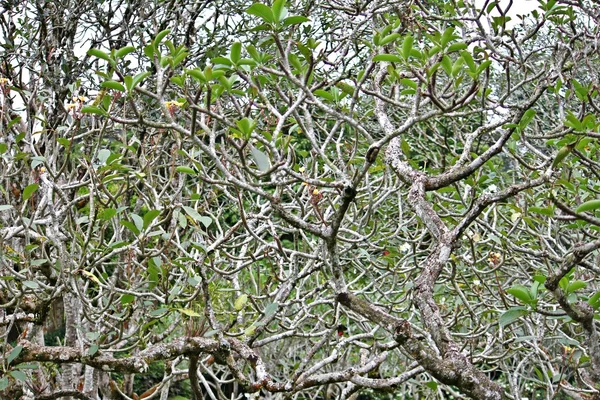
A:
(299, 200)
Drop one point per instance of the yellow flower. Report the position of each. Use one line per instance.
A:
(70, 106)
(173, 104)
(302, 169)
(316, 191)
(3, 81)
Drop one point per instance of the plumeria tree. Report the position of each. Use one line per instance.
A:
(299, 200)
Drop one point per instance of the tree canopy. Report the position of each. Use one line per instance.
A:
(299, 199)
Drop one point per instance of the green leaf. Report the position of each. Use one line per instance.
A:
(261, 159)
(161, 35)
(542, 210)
(240, 302)
(188, 312)
(127, 298)
(262, 11)
(521, 293)
(511, 315)
(590, 205)
(128, 80)
(387, 58)
(93, 110)
(149, 217)
(533, 290)
(185, 170)
(113, 85)
(527, 118)
(346, 88)
(295, 20)
(139, 78)
(457, 47)
(5, 207)
(389, 39)
(131, 226)
(3, 383)
(236, 52)
(93, 349)
(562, 154)
(271, 309)
(221, 61)
(197, 75)
(19, 375)
(594, 301)
(433, 51)
(38, 160)
(407, 46)
(447, 36)
(138, 221)
(30, 190)
(14, 354)
(324, 94)
(206, 221)
(580, 90)
(573, 122)
(246, 126)
(31, 284)
(576, 285)
(469, 60)
(483, 66)
(278, 10)
(149, 51)
(124, 51)
(100, 54)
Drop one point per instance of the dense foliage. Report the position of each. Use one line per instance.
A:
(302, 199)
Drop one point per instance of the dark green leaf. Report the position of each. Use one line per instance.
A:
(294, 20)
(278, 10)
(387, 58)
(93, 110)
(590, 205)
(127, 298)
(131, 226)
(236, 51)
(19, 375)
(407, 46)
(389, 39)
(594, 301)
(30, 190)
(262, 11)
(113, 85)
(149, 217)
(14, 354)
(511, 315)
(521, 293)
